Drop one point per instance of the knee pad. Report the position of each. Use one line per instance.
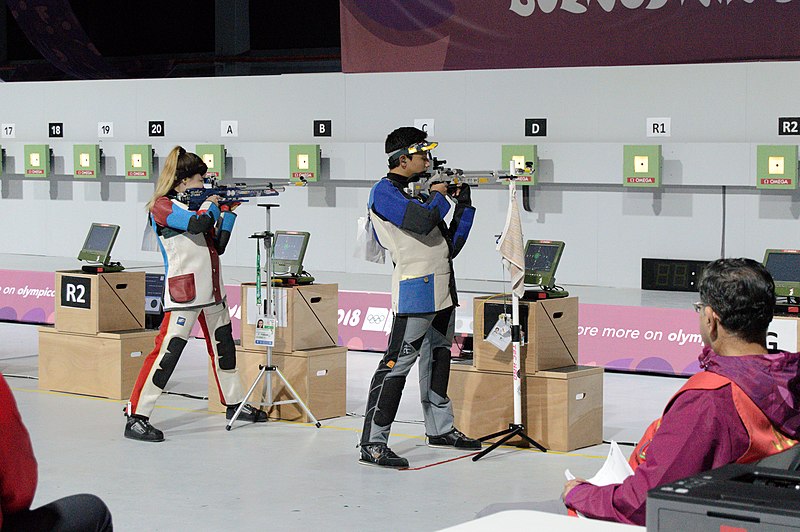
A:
(389, 400)
(168, 362)
(440, 372)
(226, 348)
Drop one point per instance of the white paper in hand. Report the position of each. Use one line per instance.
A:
(614, 471)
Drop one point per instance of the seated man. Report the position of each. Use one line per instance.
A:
(743, 407)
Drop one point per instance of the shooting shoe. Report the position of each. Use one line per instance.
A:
(248, 413)
(379, 454)
(139, 428)
(454, 439)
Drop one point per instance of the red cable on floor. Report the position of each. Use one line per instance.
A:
(439, 463)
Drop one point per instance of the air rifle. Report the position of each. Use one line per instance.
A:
(439, 173)
(233, 193)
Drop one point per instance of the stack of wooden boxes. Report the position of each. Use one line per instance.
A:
(562, 403)
(99, 343)
(305, 352)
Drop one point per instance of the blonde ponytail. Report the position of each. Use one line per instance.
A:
(167, 177)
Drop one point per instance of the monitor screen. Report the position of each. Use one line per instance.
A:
(289, 246)
(288, 252)
(98, 244)
(541, 261)
(784, 266)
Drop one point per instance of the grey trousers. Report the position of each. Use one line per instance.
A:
(426, 337)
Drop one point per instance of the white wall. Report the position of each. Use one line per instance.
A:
(719, 113)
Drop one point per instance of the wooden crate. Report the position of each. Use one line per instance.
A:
(562, 408)
(310, 317)
(105, 364)
(551, 340)
(319, 376)
(89, 303)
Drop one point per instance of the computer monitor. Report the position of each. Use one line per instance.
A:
(784, 266)
(541, 261)
(288, 252)
(99, 242)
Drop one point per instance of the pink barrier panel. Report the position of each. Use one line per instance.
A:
(27, 296)
(639, 338)
(616, 337)
(365, 320)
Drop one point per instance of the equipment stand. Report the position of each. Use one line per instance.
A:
(269, 311)
(516, 428)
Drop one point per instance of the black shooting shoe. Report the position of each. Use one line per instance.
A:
(248, 413)
(379, 454)
(454, 439)
(139, 428)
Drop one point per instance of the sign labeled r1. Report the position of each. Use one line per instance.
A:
(659, 127)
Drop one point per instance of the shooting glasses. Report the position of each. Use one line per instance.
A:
(420, 147)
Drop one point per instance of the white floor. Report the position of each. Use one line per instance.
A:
(287, 476)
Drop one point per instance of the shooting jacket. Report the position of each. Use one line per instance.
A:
(191, 243)
(421, 244)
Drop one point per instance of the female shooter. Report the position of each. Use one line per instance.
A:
(191, 243)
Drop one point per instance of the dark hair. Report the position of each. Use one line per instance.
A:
(188, 164)
(403, 137)
(742, 293)
(179, 164)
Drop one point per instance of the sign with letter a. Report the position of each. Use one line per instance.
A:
(76, 292)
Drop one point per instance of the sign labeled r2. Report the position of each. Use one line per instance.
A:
(789, 125)
(76, 292)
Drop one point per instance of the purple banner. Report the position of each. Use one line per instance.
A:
(431, 35)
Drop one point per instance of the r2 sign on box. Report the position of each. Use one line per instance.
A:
(76, 292)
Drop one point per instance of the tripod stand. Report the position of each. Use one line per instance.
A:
(510, 247)
(267, 369)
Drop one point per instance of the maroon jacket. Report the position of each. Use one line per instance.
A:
(701, 431)
(18, 469)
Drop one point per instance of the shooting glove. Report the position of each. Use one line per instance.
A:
(464, 197)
